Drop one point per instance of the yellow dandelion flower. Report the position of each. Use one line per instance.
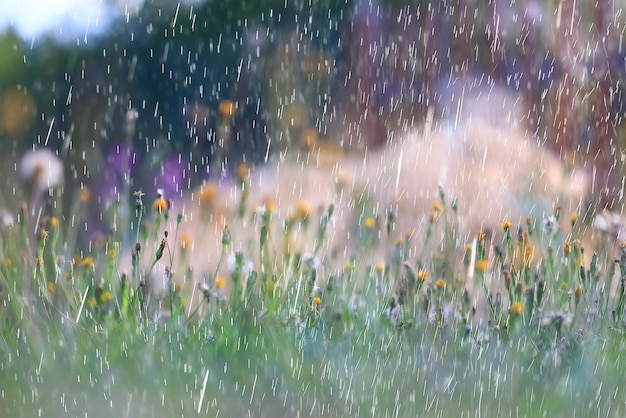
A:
(51, 287)
(506, 225)
(179, 287)
(481, 265)
(227, 108)
(400, 240)
(54, 222)
(370, 223)
(517, 309)
(440, 284)
(574, 217)
(160, 205)
(380, 267)
(208, 194)
(8, 263)
(317, 301)
(436, 206)
(350, 266)
(87, 262)
(106, 296)
(481, 236)
(220, 282)
(92, 302)
(528, 255)
(467, 247)
(422, 275)
(43, 234)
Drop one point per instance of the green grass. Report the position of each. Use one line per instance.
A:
(546, 339)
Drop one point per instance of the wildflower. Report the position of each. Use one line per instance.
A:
(185, 241)
(370, 223)
(8, 263)
(84, 195)
(579, 291)
(350, 266)
(51, 287)
(506, 225)
(440, 284)
(574, 218)
(92, 302)
(422, 275)
(160, 205)
(380, 267)
(6, 219)
(399, 240)
(528, 255)
(138, 199)
(303, 210)
(220, 282)
(54, 222)
(517, 309)
(317, 301)
(243, 172)
(42, 168)
(208, 194)
(436, 206)
(567, 246)
(480, 236)
(43, 235)
(271, 285)
(227, 108)
(106, 296)
(550, 224)
(481, 265)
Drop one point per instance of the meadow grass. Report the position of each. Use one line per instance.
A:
(522, 327)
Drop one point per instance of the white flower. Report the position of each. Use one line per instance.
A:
(311, 261)
(550, 224)
(42, 168)
(6, 219)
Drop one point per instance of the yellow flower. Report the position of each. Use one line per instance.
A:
(436, 206)
(380, 267)
(567, 247)
(208, 193)
(87, 262)
(481, 265)
(370, 223)
(440, 284)
(51, 287)
(528, 255)
(8, 263)
(422, 275)
(574, 217)
(303, 210)
(481, 236)
(308, 138)
(92, 302)
(54, 222)
(43, 234)
(506, 225)
(350, 266)
(106, 296)
(220, 282)
(227, 108)
(179, 287)
(160, 205)
(517, 309)
(317, 301)
(400, 240)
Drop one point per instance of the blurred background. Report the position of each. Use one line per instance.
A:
(147, 94)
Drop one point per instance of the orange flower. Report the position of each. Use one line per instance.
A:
(208, 194)
(227, 108)
(517, 309)
(440, 284)
(370, 223)
(160, 205)
(317, 301)
(506, 225)
(422, 275)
